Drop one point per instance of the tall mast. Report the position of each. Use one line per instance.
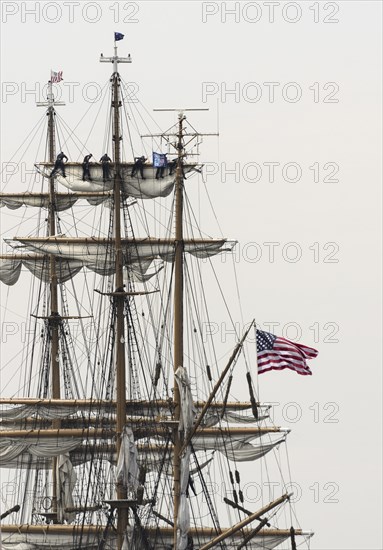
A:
(178, 305)
(52, 231)
(53, 319)
(119, 295)
(178, 315)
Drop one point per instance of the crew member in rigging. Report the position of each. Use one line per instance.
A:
(105, 161)
(173, 166)
(163, 162)
(85, 168)
(59, 164)
(160, 172)
(138, 166)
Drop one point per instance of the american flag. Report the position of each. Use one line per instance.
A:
(56, 77)
(276, 353)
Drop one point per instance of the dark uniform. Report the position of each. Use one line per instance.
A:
(85, 168)
(59, 164)
(173, 167)
(138, 166)
(160, 172)
(105, 160)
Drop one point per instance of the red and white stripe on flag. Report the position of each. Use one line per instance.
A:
(56, 77)
(277, 353)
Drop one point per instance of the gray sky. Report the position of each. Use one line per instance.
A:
(295, 177)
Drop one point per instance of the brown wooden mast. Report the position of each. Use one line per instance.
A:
(178, 316)
(119, 297)
(53, 322)
(122, 518)
(179, 244)
(54, 318)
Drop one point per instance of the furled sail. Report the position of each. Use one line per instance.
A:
(50, 541)
(50, 411)
(93, 251)
(188, 412)
(235, 448)
(67, 268)
(10, 268)
(11, 448)
(161, 538)
(66, 481)
(127, 467)
(148, 188)
(63, 201)
(212, 418)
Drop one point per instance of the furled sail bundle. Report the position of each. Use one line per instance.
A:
(148, 188)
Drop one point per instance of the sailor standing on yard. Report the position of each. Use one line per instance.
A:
(85, 168)
(173, 167)
(160, 162)
(59, 164)
(138, 166)
(105, 160)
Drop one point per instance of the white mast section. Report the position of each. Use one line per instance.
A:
(50, 99)
(115, 59)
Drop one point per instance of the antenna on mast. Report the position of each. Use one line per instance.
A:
(168, 134)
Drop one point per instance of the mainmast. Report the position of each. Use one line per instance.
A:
(53, 319)
(119, 294)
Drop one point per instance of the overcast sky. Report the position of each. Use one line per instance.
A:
(295, 89)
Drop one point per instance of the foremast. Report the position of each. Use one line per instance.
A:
(54, 317)
(119, 294)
